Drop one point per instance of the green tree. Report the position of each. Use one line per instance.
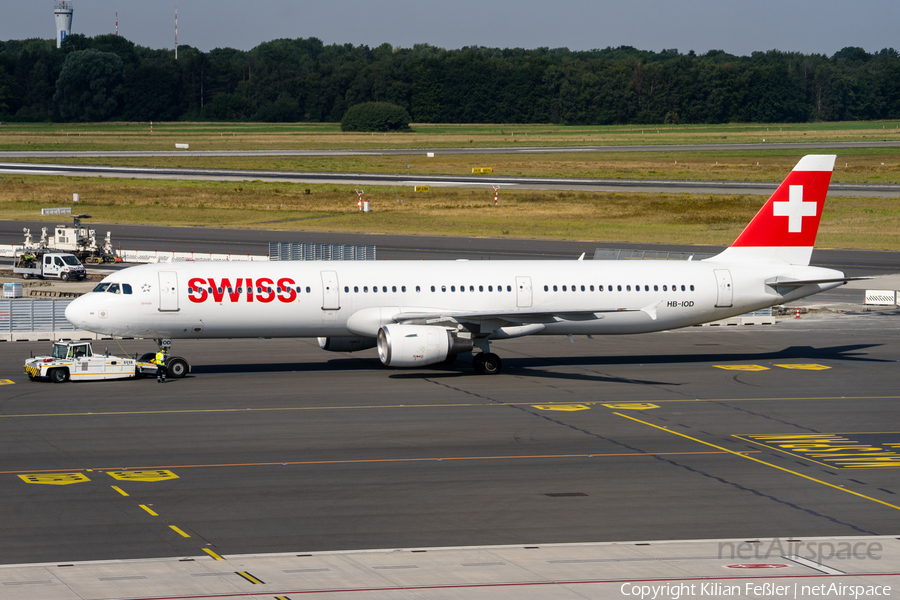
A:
(90, 86)
(6, 93)
(375, 116)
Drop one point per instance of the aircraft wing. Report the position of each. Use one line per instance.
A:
(518, 317)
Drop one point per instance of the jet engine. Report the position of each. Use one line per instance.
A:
(418, 345)
(346, 344)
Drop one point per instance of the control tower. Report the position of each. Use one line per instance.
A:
(63, 12)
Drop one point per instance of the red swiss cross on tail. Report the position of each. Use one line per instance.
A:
(784, 229)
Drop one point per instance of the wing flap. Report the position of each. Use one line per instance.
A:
(514, 317)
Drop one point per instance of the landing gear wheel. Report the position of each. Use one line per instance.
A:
(478, 363)
(176, 368)
(491, 364)
(59, 375)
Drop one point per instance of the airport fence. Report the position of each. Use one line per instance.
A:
(309, 251)
(617, 254)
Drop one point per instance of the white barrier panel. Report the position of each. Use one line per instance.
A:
(56, 211)
(152, 256)
(181, 146)
(881, 297)
(144, 256)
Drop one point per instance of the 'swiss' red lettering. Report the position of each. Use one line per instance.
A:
(224, 290)
(217, 292)
(286, 284)
(268, 293)
(198, 287)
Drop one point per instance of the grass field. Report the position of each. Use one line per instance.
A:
(607, 217)
(676, 218)
(265, 136)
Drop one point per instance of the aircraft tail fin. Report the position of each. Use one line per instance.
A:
(784, 229)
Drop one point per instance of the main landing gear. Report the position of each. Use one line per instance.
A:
(486, 363)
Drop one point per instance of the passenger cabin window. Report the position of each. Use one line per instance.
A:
(418, 289)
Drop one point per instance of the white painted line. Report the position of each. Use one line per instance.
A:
(813, 565)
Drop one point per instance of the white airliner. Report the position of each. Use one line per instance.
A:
(427, 312)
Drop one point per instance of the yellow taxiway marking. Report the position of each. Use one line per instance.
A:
(54, 478)
(149, 510)
(804, 367)
(762, 462)
(213, 554)
(120, 490)
(244, 411)
(7, 382)
(632, 406)
(149, 475)
(834, 450)
(249, 577)
(561, 407)
(178, 531)
(742, 367)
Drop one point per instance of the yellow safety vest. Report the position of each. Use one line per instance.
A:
(160, 358)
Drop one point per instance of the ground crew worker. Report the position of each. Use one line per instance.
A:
(160, 360)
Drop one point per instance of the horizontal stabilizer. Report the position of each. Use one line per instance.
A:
(785, 281)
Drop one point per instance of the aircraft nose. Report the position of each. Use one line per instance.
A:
(76, 313)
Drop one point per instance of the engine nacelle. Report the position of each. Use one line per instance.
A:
(346, 344)
(418, 345)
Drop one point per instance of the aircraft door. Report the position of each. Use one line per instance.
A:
(331, 294)
(168, 291)
(724, 287)
(523, 292)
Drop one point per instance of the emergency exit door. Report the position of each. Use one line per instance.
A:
(725, 290)
(168, 291)
(523, 292)
(331, 293)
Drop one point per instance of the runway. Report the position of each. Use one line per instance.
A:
(530, 183)
(802, 146)
(277, 446)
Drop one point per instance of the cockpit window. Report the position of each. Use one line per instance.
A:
(71, 260)
(113, 288)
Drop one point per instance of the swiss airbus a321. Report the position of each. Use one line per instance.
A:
(426, 312)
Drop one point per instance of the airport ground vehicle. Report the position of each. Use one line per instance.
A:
(74, 239)
(41, 263)
(76, 361)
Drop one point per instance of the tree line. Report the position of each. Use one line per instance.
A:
(290, 80)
